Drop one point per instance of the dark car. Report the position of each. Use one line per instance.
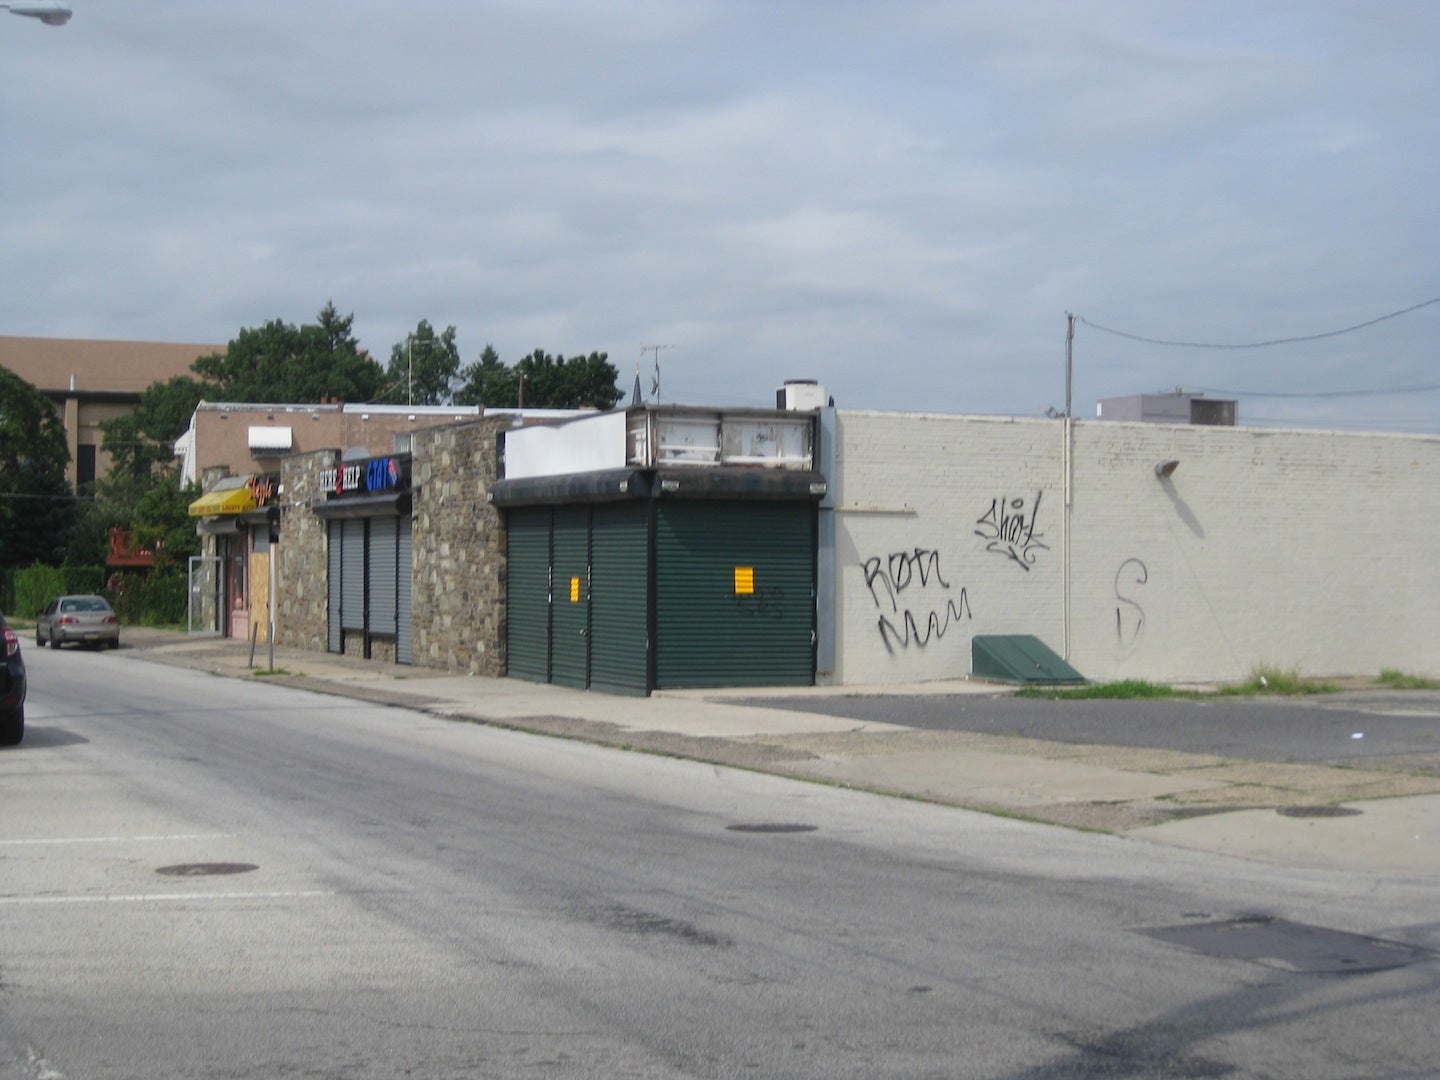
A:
(87, 620)
(12, 688)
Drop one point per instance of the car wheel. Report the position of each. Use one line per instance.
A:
(39, 641)
(12, 727)
(115, 644)
(54, 642)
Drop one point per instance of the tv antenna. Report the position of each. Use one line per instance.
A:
(654, 378)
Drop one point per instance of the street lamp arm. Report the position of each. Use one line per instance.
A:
(49, 13)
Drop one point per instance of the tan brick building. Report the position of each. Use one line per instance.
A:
(94, 381)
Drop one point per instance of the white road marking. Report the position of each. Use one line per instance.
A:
(115, 839)
(142, 898)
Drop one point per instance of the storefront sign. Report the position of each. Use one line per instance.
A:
(262, 488)
(377, 474)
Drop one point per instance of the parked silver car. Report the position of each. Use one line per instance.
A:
(83, 620)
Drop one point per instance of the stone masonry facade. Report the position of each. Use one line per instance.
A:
(302, 614)
(458, 611)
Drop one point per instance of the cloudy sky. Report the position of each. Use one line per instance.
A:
(902, 200)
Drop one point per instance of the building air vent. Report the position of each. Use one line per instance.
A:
(801, 395)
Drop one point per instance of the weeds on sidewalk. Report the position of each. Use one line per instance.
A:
(1400, 680)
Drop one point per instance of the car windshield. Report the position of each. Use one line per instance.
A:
(88, 603)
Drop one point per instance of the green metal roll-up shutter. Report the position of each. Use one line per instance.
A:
(527, 604)
(734, 594)
(380, 576)
(570, 597)
(619, 598)
(352, 574)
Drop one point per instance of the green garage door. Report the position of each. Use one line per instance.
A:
(619, 598)
(734, 594)
(527, 622)
(570, 597)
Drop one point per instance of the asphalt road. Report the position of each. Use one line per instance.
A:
(1330, 729)
(205, 877)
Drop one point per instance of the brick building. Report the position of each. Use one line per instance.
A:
(94, 381)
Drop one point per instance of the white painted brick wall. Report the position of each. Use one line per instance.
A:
(1308, 550)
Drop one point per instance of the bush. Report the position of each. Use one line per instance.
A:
(151, 599)
(33, 587)
(139, 599)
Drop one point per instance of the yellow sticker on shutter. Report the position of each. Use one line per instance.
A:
(574, 590)
(744, 580)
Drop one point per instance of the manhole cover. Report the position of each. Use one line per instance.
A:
(1289, 946)
(1317, 811)
(771, 827)
(206, 869)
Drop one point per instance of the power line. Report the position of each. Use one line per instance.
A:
(1257, 344)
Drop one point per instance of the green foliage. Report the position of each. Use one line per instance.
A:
(1126, 689)
(161, 522)
(487, 382)
(283, 363)
(37, 507)
(541, 381)
(90, 540)
(36, 585)
(423, 367)
(157, 599)
(142, 443)
(1271, 680)
(1400, 680)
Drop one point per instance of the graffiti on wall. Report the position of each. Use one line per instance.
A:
(766, 602)
(1008, 528)
(1129, 615)
(902, 586)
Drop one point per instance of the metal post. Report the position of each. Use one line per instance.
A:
(274, 558)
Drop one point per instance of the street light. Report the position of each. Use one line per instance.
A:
(47, 11)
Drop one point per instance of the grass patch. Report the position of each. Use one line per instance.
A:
(1400, 680)
(1124, 690)
(265, 672)
(1270, 680)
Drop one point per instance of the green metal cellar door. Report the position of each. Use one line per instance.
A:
(527, 623)
(619, 598)
(570, 597)
(734, 594)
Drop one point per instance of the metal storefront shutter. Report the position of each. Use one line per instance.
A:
(570, 601)
(352, 574)
(333, 580)
(734, 594)
(380, 576)
(404, 568)
(527, 593)
(619, 597)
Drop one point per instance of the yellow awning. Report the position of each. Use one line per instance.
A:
(229, 501)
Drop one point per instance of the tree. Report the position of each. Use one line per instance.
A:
(37, 507)
(542, 381)
(144, 440)
(282, 363)
(487, 382)
(423, 367)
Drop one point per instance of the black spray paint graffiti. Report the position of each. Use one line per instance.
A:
(1129, 615)
(888, 577)
(1011, 532)
(766, 602)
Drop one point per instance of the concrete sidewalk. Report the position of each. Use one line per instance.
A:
(1360, 819)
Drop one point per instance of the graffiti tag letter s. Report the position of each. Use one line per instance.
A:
(1129, 623)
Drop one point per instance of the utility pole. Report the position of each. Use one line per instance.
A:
(1068, 456)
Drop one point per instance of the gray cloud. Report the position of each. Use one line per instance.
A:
(900, 200)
